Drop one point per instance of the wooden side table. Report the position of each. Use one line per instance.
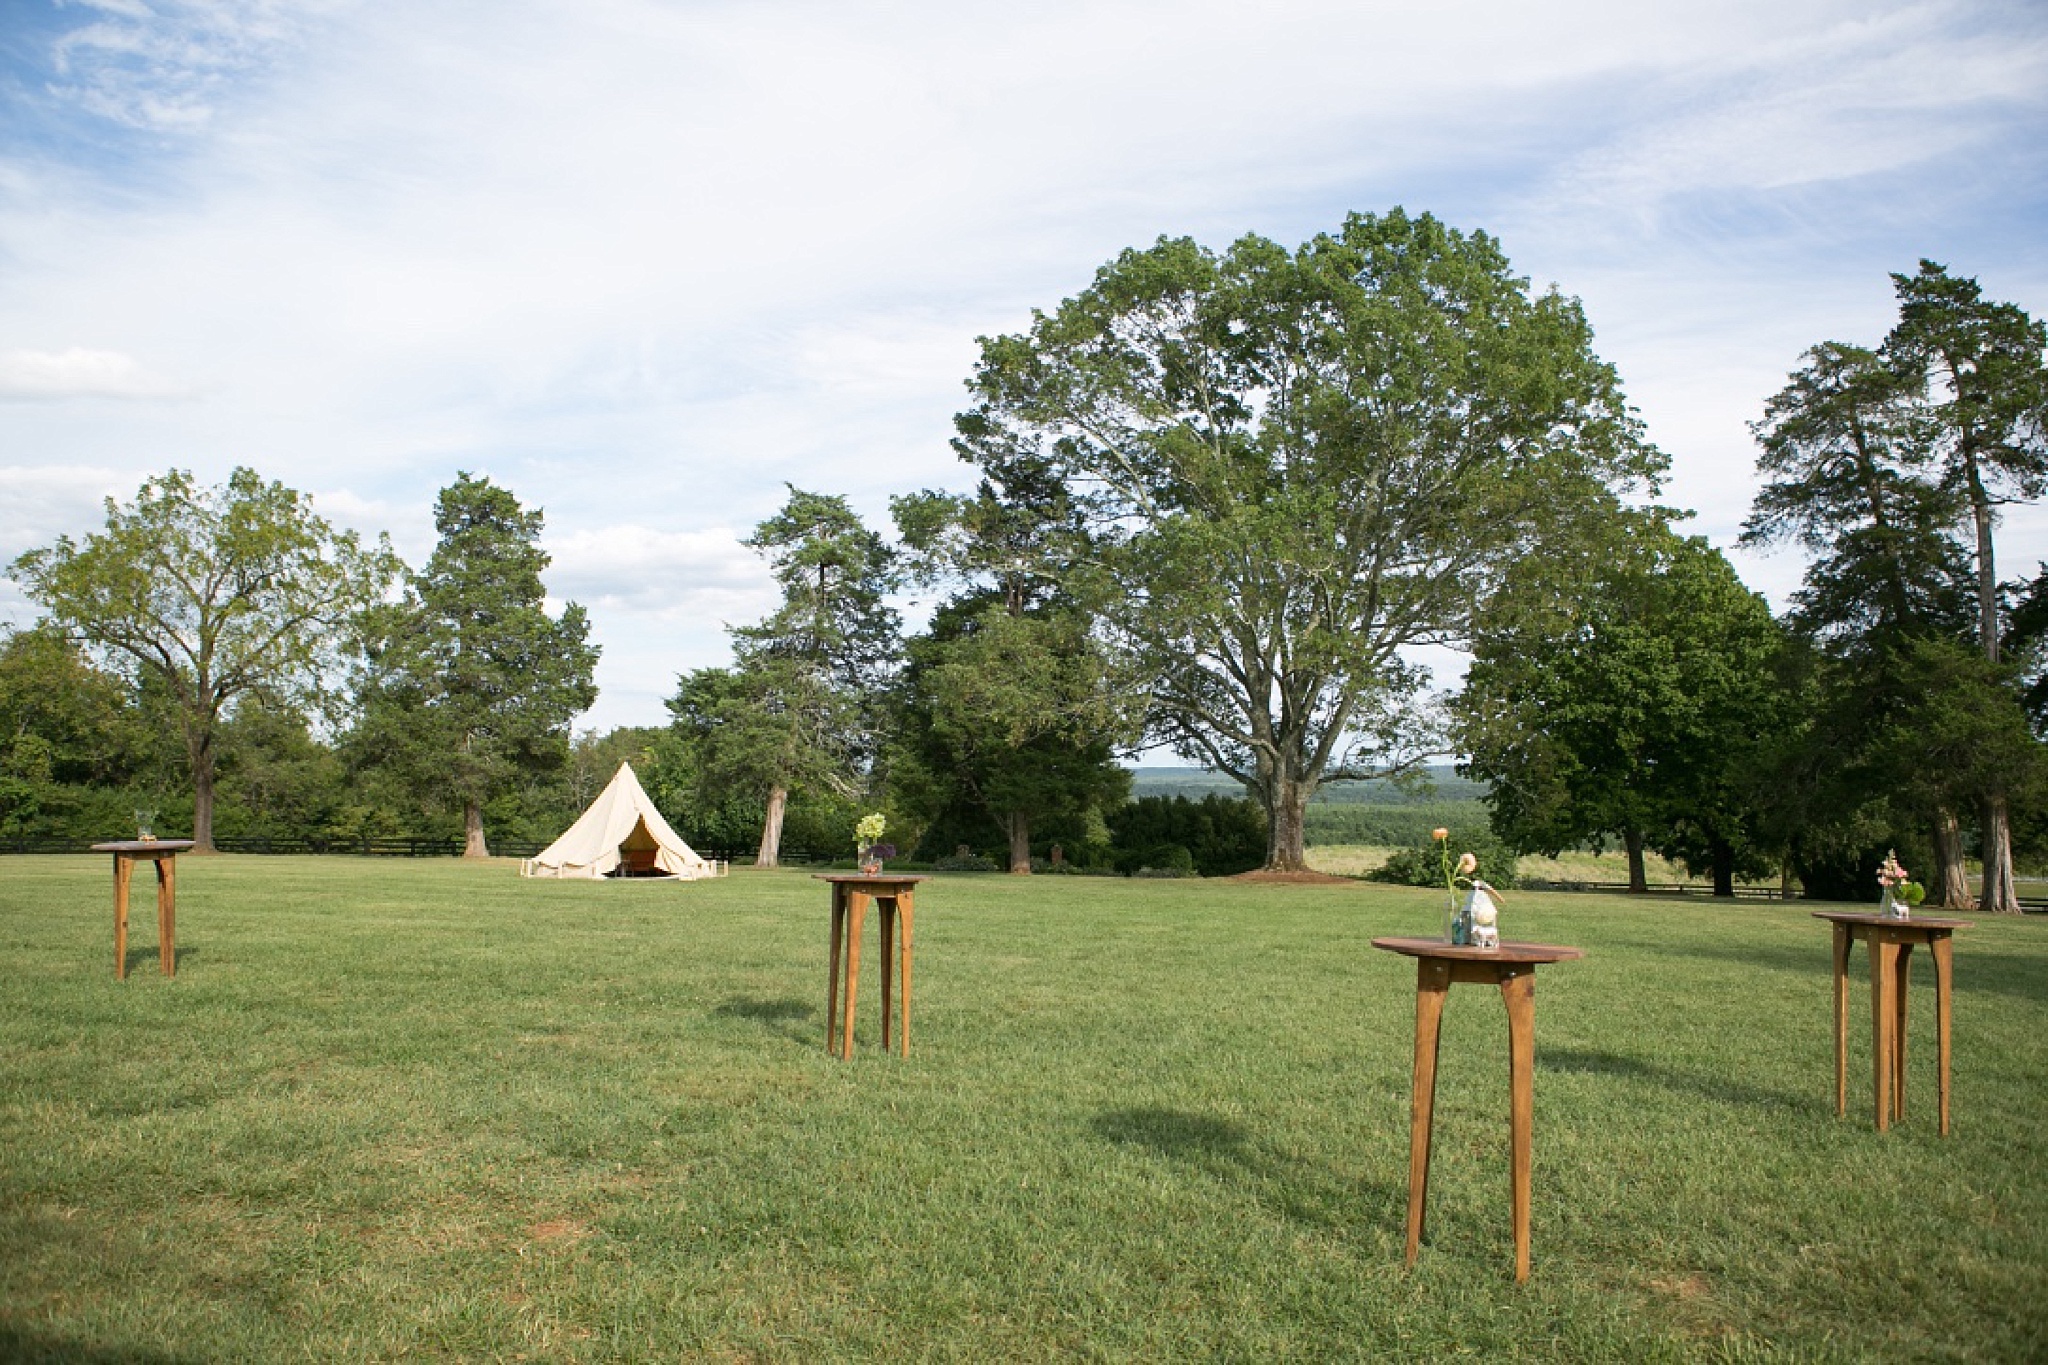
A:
(851, 892)
(1512, 967)
(162, 852)
(1891, 955)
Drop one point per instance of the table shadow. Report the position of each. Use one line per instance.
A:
(147, 957)
(1724, 1089)
(23, 1344)
(1228, 1150)
(1979, 970)
(780, 1016)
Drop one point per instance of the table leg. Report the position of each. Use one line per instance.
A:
(1884, 955)
(832, 969)
(1904, 979)
(1432, 984)
(124, 868)
(166, 918)
(903, 905)
(1518, 988)
(1842, 942)
(1944, 978)
(887, 905)
(856, 913)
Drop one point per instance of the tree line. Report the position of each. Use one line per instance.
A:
(1219, 495)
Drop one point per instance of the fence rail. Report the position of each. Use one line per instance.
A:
(2030, 905)
(409, 846)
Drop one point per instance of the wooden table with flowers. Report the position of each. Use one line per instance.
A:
(1891, 939)
(851, 892)
(1512, 967)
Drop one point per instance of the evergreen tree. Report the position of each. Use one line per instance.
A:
(473, 686)
(1980, 369)
(800, 708)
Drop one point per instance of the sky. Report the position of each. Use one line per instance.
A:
(647, 262)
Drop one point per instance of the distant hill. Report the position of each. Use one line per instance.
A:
(1443, 786)
(1377, 813)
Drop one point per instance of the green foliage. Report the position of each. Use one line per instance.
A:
(1293, 465)
(798, 712)
(211, 595)
(1643, 702)
(1214, 837)
(1006, 726)
(1421, 863)
(468, 693)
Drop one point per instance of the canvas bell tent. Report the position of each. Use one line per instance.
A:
(621, 835)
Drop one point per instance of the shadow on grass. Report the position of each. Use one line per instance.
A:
(1225, 1149)
(2003, 973)
(1721, 1089)
(147, 957)
(780, 1016)
(19, 1343)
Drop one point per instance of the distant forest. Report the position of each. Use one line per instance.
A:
(1380, 812)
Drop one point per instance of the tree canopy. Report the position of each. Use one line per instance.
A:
(214, 594)
(801, 707)
(1295, 464)
(473, 686)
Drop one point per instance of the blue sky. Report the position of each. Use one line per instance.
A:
(646, 261)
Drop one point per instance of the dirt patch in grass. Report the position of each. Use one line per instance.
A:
(558, 1230)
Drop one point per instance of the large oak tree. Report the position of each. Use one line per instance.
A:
(1298, 464)
(213, 595)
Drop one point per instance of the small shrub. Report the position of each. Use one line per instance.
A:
(1422, 864)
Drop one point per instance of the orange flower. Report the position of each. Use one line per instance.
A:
(1439, 833)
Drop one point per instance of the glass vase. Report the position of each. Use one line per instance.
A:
(1457, 929)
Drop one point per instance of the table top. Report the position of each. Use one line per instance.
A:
(1887, 922)
(869, 879)
(1462, 952)
(165, 847)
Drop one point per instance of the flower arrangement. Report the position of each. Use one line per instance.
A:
(1901, 893)
(867, 844)
(1474, 923)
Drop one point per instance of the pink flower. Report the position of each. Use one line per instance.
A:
(1467, 865)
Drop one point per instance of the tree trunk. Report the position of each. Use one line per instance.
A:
(1638, 878)
(1949, 887)
(473, 845)
(1724, 868)
(1785, 878)
(1018, 823)
(770, 852)
(2001, 896)
(1286, 835)
(200, 749)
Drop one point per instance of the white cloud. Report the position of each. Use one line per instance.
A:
(644, 262)
(79, 373)
(703, 577)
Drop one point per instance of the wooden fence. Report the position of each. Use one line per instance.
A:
(410, 846)
(2031, 905)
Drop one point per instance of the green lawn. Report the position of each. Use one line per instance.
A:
(416, 1108)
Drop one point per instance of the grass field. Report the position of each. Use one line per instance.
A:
(421, 1109)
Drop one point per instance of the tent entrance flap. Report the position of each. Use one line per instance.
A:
(637, 854)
